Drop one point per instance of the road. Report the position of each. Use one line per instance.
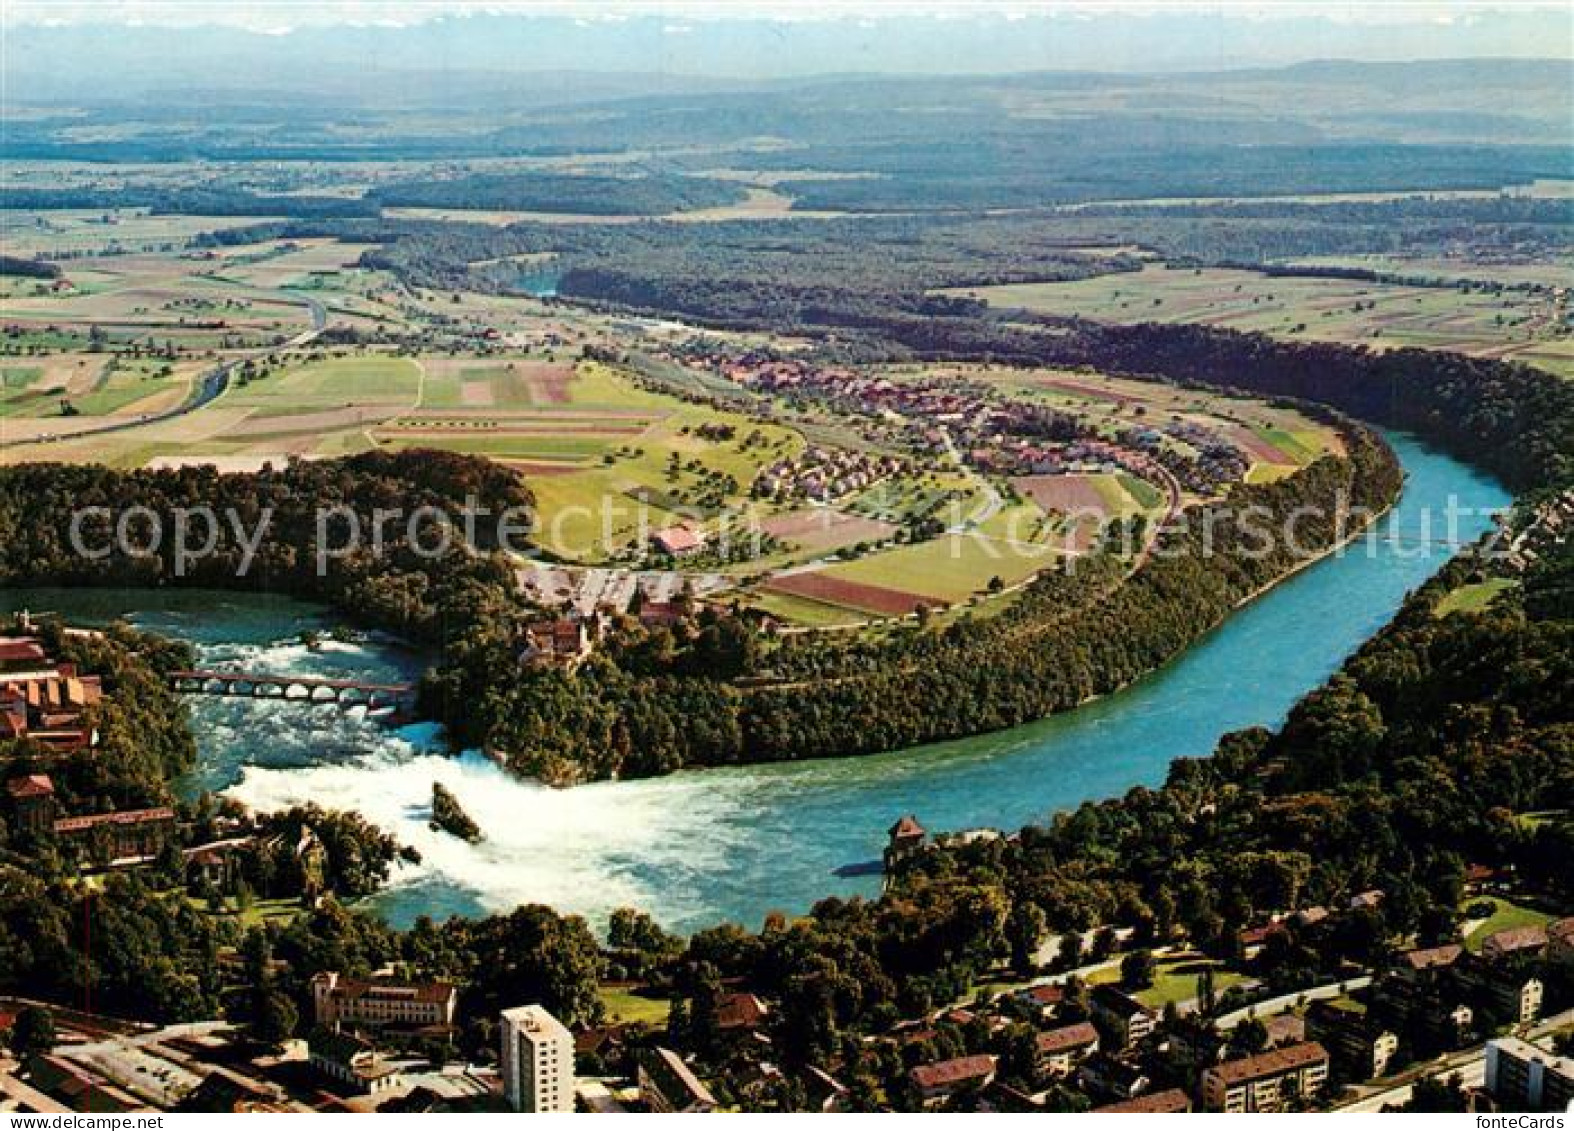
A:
(1470, 1064)
(1269, 1006)
(210, 385)
(993, 502)
(1172, 491)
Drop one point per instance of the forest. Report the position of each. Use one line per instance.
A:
(547, 192)
(842, 271)
(414, 592)
(1407, 765)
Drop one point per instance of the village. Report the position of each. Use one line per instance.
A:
(897, 469)
(996, 428)
(1487, 1018)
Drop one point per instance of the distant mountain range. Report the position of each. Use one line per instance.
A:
(650, 53)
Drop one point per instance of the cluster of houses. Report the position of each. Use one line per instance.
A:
(821, 474)
(1105, 1046)
(998, 435)
(43, 700)
(121, 839)
(1216, 462)
(1122, 1055)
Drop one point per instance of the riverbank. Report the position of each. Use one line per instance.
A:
(732, 843)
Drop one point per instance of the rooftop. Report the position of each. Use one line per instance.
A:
(535, 1019)
(672, 1076)
(1267, 1064)
(1433, 957)
(1067, 1037)
(119, 817)
(1165, 1102)
(739, 1011)
(1116, 1000)
(678, 539)
(1517, 938)
(388, 988)
(958, 1071)
(908, 826)
(20, 649)
(31, 785)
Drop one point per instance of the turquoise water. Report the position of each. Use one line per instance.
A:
(699, 847)
(539, 283)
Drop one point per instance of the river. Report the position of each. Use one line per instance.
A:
(698, 847)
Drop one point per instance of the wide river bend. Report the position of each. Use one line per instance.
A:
(698, 847)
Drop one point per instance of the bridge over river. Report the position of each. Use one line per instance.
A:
(306, 690)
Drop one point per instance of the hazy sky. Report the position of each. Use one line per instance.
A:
(113, 48)
(277, 16)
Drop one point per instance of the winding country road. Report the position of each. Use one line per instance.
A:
(210, 385)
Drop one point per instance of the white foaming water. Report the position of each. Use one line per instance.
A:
(587, 850)
(295, 657)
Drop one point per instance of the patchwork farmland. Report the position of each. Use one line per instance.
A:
(1520, 324)
(869, 518)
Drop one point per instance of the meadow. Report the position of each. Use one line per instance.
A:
(1474, 320)
(939, 572)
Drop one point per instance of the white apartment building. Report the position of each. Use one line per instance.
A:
(538, 1061)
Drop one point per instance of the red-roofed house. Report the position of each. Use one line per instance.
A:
(1267, 1082)
(1514, 941)
(1560, 942)
(564, 641)
(41, 700)
(737, 1012)
(1058, 1051)
(678, 541)
(127, 836)
(943, 1079)
(1168, 1102)
(32, 801)
(1430, 958)
(904, 838)
(21, 653)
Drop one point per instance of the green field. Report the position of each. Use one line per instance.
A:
(1507, 916)
(334, 383)
(449, 390)
(510, 445)
(1022, 523)
(625, 1005)
(596, 509)
(949, 569)
(119, 386)
(1147, 496)
(1384, 315)
(1303, 448)
(803, 610)
(130, 382)
(1174, 979)
(1473, 598)
(947, 495)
